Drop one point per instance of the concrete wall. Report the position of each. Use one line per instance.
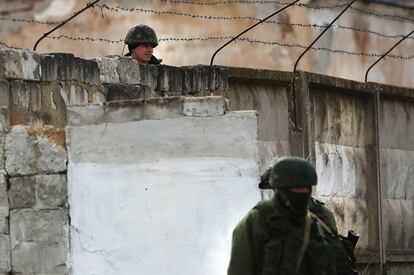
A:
(363, 177)
(397, 171)
(333, 122)
(156, 187)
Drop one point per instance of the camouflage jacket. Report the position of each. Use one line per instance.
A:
(267, 241)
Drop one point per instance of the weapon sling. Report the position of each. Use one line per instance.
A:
(305, 242)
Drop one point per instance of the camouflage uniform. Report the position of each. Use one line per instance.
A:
(268, 239)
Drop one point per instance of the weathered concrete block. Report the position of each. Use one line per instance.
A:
(218, 80)
(73, 94)
(124, 92)
(85, 115)
(4, 206)
(51, 191)
(4, 104)
(204, 80)
(108, 69)
(50, 145)
(41, 226)
(397, 124)
(22, 192)
(88, 70)
(397, 172)
(38, 258)
(2, 151)
(398, 223)
(65, 66)
(128, 71)
(30, 65)
(83, 94)
(149, 75)
(20, 64)
(38, 192)
(4, 94)
(204, 106)
(39, 241)
(20, 156)
(124, 111)
(29, 152)
(11, 66)
(5, 256)
(26, 95)
(4, 119)
(191, 81)
(341, 170)
(98, 97)
(49, 67)
(170, 80)
(167, 155)
(154, 108)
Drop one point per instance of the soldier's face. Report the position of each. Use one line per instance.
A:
(142, 54)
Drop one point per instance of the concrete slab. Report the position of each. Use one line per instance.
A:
(141, 191)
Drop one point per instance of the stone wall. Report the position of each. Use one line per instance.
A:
(34, 216)
(35, 89)
(358, 136)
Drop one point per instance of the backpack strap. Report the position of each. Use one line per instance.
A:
(324, 225)
(306, 237)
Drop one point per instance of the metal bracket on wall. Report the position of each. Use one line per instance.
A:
(248, 29)
(89, 5)
(295, 122)
(385, 54)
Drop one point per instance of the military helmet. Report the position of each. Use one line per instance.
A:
(265, 179)
(290, 172)
(141, 34)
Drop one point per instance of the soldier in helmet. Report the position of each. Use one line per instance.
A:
(280, 236)
(141, 41)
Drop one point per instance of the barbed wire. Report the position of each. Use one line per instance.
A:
(90, 39)
(213, 17)
(385, 15)
(24, 20)
(9, 47)
(250, 2)
(241, 39)
(315, 26)
(119, 9)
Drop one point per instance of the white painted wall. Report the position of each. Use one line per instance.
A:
(160, 196)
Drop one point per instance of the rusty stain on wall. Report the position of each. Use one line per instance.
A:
(55, 135)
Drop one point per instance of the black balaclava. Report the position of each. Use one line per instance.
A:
(296, 203)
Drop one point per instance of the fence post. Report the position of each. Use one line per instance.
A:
(300, 136)
(375, 91)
